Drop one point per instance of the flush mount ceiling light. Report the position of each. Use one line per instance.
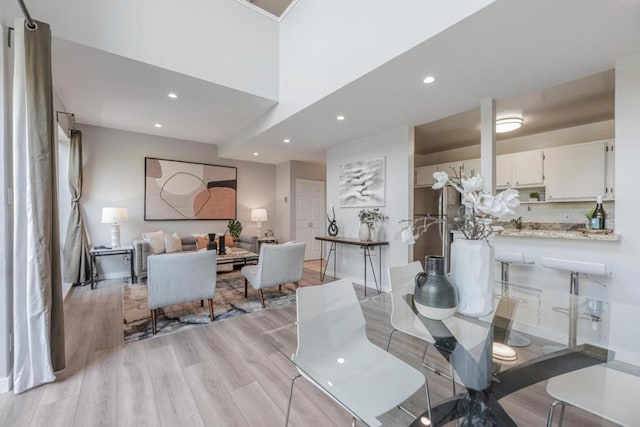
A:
(286, 140)
(429, 79)
(340, 118)
(158, 125)
(508, 124)
(172, 95)
(255, 154)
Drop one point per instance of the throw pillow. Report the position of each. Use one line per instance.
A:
(155, 240)
(228, 241)
(201, 242)
(172, 243)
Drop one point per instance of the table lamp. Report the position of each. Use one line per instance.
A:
(259, 215)
(115, 216)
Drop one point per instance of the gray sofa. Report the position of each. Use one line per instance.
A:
(141, 251)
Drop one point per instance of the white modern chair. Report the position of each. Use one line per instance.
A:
(335, 355)
(277, 265)
(180, 277)
(506, 260)
(403, 318)
(602, 391)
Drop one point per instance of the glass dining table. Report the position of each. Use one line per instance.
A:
(480, 352)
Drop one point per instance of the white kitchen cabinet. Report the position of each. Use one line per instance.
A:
(504, 170)
(528, 169)
(471, 167)
(576, 172)
(450, 167)
(609, 193)
(424, 175)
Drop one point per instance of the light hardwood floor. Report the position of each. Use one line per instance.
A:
(221, 374)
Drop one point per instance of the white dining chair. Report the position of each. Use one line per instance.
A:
(506, 260)
(403, 319)
(335, 355)
(608, 393)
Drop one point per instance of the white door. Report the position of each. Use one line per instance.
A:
(611, 171)
(504, 170)
(576, 171)
(310, 215)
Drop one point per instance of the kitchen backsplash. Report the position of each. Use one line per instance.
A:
(566, 212)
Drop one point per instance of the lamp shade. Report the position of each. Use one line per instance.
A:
(114, 215)
(258, 215)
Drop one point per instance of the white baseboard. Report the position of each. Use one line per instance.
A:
(5, 384)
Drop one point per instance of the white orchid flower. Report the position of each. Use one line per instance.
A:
(407, 236)
(441, 180)
(510, 197)
(490, 205)
(469, 199)
(475, 183)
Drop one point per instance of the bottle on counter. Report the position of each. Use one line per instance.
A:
(599, 216)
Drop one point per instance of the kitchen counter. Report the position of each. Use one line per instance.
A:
(560, 234)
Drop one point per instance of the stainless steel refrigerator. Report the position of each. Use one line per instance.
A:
(445, 204)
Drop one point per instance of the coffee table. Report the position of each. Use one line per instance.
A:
(237, 258)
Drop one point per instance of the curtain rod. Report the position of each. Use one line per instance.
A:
(30, 22)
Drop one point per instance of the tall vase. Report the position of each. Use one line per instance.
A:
(434, 295)
(363, 233)
(472, 274)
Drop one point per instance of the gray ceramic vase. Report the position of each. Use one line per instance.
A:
(435, 296)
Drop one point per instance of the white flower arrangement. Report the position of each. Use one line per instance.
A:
(478, 211)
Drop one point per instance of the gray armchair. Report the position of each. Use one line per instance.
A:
(180, 277)
(277, 265)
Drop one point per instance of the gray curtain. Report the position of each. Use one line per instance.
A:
(76, 245)
(37, 280)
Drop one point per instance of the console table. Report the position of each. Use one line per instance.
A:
(366, 246)
(95, 252)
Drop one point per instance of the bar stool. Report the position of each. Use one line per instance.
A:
(514, 339)
(575, 268)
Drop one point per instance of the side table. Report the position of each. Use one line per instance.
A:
(95, 253)
(266, 240)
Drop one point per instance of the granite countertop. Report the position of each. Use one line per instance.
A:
(554, 230)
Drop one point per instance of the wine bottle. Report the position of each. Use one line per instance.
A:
(599, 216)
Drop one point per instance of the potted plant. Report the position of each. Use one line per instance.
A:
(534, 196)
(368, 222)
(235, 228)
(588, 214)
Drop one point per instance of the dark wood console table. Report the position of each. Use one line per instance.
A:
(366, 246)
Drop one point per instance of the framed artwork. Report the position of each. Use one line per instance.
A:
(362, 184)
(176, 190)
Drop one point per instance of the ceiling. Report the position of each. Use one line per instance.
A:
(113, 91)
(508, 49)
(586, 100)
(274, 7)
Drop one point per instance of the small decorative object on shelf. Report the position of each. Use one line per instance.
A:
(472, 256)
(369, 219)
(434, 295)
(534, 196)
(222, 250)
(332, 230)
(212, 245)
(269, 233)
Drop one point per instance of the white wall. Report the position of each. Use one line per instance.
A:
(283, 201)
(114, 176)
(396, 145)
(219, 41)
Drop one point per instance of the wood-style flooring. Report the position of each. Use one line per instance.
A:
(221, 374)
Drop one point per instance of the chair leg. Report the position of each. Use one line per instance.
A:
(293, 380)
(245, 287)
(154, 320)
(201, 303)
(261, 297)
(551, 411)
(211, 308)
(389, 342)
(426, 388)
(297, 284)
(279, 287)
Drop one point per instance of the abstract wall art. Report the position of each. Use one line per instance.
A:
(176, 190)
(362, 184)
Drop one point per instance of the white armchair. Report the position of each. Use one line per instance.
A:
(277, 265)
(181, 277)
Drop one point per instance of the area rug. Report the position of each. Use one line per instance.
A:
(229, 301)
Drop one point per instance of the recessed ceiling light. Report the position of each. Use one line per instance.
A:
(286, 140)
(341, 118)
(172, 95)
(158, 125)
(508, 124)
(255, 154)
(429, 79)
